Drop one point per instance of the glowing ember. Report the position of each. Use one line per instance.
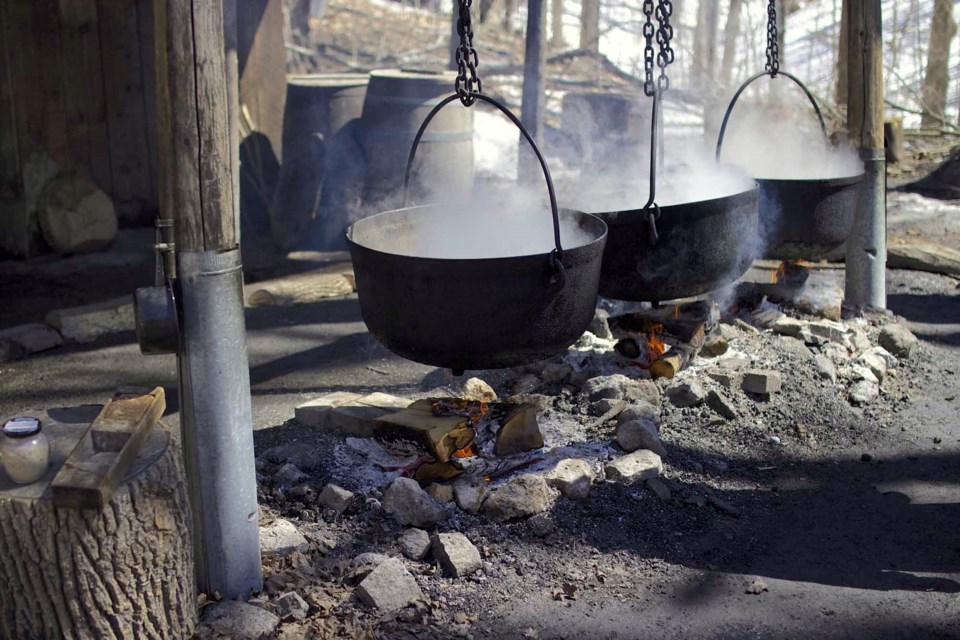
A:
(467, 452)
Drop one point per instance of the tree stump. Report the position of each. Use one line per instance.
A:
(124, 571)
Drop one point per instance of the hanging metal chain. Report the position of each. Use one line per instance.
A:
(664, 36)
(648, 54)
(467, 83)
(773, 40)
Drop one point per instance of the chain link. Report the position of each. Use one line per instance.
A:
(467, 83)
(648, 54)
(664, 35)
(773, 40)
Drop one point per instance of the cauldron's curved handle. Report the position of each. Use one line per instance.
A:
(557, 254)
(743, 87)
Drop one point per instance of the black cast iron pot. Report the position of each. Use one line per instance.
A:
(806, 219)
(474, 313)
(462, 314)
(701, 246)
(801, 219)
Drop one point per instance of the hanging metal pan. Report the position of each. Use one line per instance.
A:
(801, 218)
(480, 313)
(701, 246)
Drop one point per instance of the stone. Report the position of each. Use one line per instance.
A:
(479, 391)
(604, 406)
(745, 327)
(889, 359)
(281, 538)
(863, 392)
(520, 497)
(832, 331)
(289, 475)
(572, 478)
(290, 606)
(601, 387)
(875, 363)
(238, 620)
(898, 340)
(722, 405)
(556, 372)
(761, 381)
(729, 332)
(836, 352)
(335, 498)
(659, 488)
(825, 367)
(859, 341)
(642, 391)
(26, 339)
(727, 379)
(634, 467)
(469, 496)
(76, 216)
(442, 492)
(525, 384)
(639, 434)
(795, 348)
(812, 340)
(89, 322)
(600, 325)
(455, 553)
(735, 363)
(415, 544)
(688, 393)
(541, 525)
(368, 561)
(349, 414)
(409, 504)
(858, 372)
(787, 326)
(389, 587)
(639, 410)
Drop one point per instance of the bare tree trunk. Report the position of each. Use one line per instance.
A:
(704, 42)
(509, 10)
(730, 35)
(590, 25)
(942, 31)
(556, 25)
(843, 56)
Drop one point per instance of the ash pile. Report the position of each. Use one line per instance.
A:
(381, 507)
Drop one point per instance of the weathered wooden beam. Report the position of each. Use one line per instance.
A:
(97, 466)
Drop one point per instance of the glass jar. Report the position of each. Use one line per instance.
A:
(24, 450)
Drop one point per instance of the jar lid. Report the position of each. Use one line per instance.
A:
(21, 427)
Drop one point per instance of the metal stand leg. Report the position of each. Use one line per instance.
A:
(867, 244)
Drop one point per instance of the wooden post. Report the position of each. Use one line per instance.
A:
(534, 63)
(215, 412)
(866, 247)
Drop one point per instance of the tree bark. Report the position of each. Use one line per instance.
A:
(942, 30)
(124, 571)
(556, 25)
(843, 55)
(590, 25)
(730, 35)
(704, 43)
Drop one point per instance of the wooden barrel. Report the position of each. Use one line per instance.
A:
(322, 103)
(322, 173)
(396, 105)
(608, 127)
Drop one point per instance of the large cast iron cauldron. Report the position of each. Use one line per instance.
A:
(801, 219)
(474, 313)
(701, 246)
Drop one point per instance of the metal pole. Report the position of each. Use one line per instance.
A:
(197, 173)
(867, 245)
(532, 108)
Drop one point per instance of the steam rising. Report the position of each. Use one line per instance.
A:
(779, 146)
(487, 226)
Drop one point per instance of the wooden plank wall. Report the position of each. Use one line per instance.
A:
(76, 93)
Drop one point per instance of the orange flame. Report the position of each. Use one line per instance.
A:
(676, 311)
(467, 452)
(776, 275)
(653, 332)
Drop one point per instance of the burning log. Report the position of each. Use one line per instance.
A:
(669, 364)
(440, 435)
